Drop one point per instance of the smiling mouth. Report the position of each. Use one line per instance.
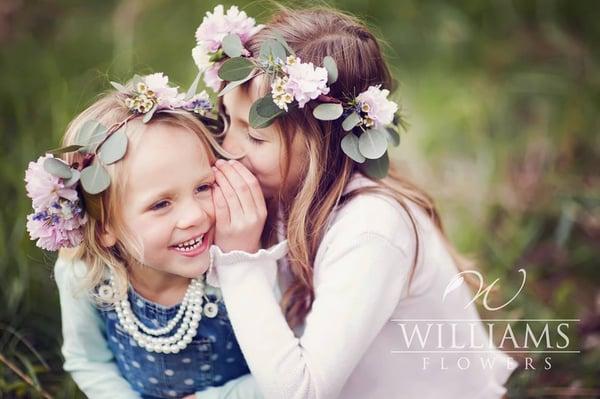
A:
(189, 245)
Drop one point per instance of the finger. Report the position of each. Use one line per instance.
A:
(231, 198)
(221, 209)
(240, 187)
(253, 184)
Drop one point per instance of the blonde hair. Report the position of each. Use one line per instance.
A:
(314, 34)
(110, 110)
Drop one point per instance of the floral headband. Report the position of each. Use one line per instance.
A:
(55, 186)
(370, 119)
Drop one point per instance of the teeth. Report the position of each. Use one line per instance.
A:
(190, 244)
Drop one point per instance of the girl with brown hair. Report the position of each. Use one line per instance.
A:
(357, 309)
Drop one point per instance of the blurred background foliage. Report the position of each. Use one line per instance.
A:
(503, 99)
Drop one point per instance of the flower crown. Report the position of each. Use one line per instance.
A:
(370, 119)
(59, 190)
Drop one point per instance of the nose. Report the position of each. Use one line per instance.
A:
(195, 213)
(231, 145)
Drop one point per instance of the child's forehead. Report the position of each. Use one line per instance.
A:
(166, 146)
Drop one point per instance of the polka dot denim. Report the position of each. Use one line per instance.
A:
(211, 359)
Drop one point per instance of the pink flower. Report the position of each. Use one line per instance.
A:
(305, 82)
(167, 97)
(58, 226)
(211, 77)
(378, 108)
(216, 25)
(44, 188)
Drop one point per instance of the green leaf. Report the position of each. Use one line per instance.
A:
(90, 135)
(332, 70)
(235, 69)
(58, 168)
(265, 104)
(277, 36)
(377, 168)
(119, 87)
(74, 178)
(272, 47)
(266, 107)
(95, 179)
(373, 143)
(114, 148)
(328, 111)
(148, 115)
(62, 150)
(350, 148)
(194, 87)
(217, 56)
(232, 45)
(232, 85)
(393, 136)
(351, 121)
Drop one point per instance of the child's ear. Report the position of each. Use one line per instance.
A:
(107, 237)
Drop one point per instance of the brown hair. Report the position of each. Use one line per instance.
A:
(313, 34)
(111, 110)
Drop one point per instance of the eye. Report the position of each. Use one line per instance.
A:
(204, 187)
(255, 140)
(159, 205)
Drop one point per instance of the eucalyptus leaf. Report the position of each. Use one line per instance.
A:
(90, 135)
(377, 168)
(119, 87)
(277, 36)
(62, 150)
(235, 69)
(194, 87)
(75, 175)
(373, 143)
(351, 121)
(266, 107)
(332, 70)
(58, 168)
(114, 148)
(272, 47)
(148, 115)
(232, 85)
(95, 179)
(328, 111)
(256, 120)
(232, 45)
(350, 148)
(393, 136)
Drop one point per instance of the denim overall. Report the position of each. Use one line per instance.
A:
(211, 359)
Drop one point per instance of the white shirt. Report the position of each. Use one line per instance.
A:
(361, 282)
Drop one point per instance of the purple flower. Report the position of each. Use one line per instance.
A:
(58, 226)
(44, 188)
(58, 217)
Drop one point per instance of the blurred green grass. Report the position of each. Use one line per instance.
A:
(503, 98)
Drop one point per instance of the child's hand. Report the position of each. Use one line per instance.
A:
(239, 206)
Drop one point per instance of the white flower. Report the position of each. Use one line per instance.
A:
(306, 82)
(201, 57)
(380, 111)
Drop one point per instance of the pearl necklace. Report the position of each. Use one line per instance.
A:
(151, 339)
